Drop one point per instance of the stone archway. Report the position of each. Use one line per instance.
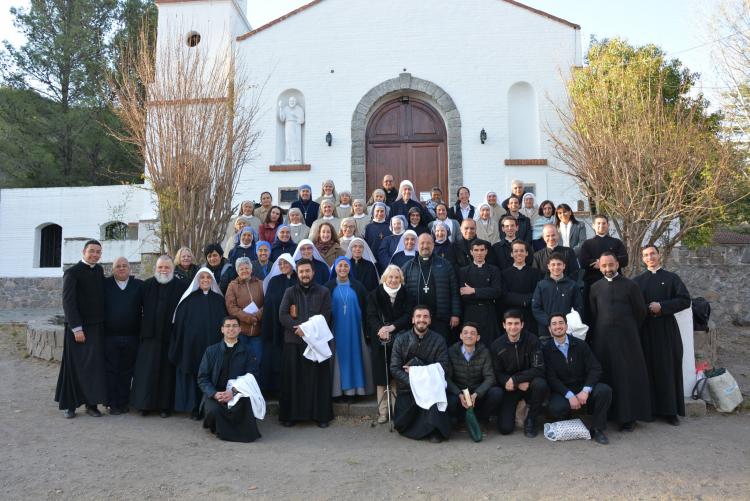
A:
(405, 83)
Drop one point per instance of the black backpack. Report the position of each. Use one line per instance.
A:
(701, 313)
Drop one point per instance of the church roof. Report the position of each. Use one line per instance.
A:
(315, 2)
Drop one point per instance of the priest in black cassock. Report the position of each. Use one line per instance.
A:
(419, 346)
(617, 312)
(82, 379)
(664, 295)
(305, 393)
(519, 283)
(197, 325)
(480, 286)
(153, 377)
(223, 362)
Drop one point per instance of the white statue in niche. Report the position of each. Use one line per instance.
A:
(292, 116)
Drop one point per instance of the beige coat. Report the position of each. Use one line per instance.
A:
(240, 294)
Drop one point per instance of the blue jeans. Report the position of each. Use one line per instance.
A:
(255, 343)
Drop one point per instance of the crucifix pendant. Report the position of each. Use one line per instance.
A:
(426, 289)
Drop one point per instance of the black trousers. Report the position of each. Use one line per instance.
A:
(534, 396)
(119, 361)
(485, 406)
(597, 405)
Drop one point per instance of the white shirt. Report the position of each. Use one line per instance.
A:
(565, 233)
(122, 284)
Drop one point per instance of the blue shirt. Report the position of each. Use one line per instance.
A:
(564, 350)
(467, 355)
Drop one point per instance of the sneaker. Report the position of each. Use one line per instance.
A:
(599, 437)
(382, 419)
(69, 413)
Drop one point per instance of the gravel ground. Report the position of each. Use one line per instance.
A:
(130, 457)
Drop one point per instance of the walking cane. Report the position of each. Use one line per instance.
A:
(387, 383)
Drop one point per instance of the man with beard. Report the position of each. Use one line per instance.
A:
(305, 393)
(431, 281)
(480, 286)
(123, 303)
(419, 346)
(664, 294)
(617, 312)
(552, 240)
(82, 373)
(153, 377)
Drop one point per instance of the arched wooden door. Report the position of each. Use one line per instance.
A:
(406, 138)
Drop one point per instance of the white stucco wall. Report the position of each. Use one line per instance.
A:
(79, 211)
(336, 51)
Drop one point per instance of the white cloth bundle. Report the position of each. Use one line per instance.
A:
(571, 429)
(428, 385)
(317, 335)
(246, 386)
(576, 327)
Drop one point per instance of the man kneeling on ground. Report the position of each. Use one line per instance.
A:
(519, 370)
(573, 374)
(226, 360)
(420, 346)
(472, 369)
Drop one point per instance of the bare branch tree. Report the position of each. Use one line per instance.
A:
(645, 161)
(192, 116)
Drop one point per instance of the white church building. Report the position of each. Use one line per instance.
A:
(444, 93)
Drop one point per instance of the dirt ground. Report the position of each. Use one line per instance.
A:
(130, 457)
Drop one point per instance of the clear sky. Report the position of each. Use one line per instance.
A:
(678, 26)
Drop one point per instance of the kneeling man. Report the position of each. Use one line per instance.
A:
(519, 370)
(420, 416)
(224, 361)
(573, 374)
(472, 368)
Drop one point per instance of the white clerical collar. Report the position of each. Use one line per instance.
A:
(122, 284)
(610, 279)
(205, 293)
(519, 267)
(87, 263)
(601, 236)
(478, 265)
(231, 345)
(656, 270)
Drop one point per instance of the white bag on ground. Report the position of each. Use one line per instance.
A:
(571, 429)
(725, 392)
(576, 327)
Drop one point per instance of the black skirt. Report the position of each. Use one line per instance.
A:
(305, 390)
(237, 424)
(414, 422)
(82, 378)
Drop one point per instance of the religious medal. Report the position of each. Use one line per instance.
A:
(426, 289)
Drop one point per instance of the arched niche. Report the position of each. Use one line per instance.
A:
(523, 122)
(283, 102)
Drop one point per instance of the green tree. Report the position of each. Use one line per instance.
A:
(643, 149)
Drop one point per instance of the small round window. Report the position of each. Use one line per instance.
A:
(193, 38)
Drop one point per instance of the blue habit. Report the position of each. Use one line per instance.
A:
(347, 331)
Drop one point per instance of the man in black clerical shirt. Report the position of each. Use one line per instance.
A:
(123, 303)
(431, 281)
(480, 286)
(552, 240)
(82, 378)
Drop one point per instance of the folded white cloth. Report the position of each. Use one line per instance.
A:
(317, 335)
(246, 386)
(428, 385)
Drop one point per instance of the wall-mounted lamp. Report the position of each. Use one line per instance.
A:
(329, 138)
(483, 136)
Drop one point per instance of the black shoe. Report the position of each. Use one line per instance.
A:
(114, 411)
(164, 414)
(69, 413)
(93, 411)
(529, 428)
(124, 410)
(287, 424)
(144, 413)
(195, 415)
(435, 438)
(323, 424)
(599, 437)
(628, 427)
(673, 420)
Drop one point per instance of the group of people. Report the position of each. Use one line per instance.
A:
(419, 302)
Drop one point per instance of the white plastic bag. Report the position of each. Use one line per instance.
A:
(576, 327)
(571, 429)
(725, 392)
